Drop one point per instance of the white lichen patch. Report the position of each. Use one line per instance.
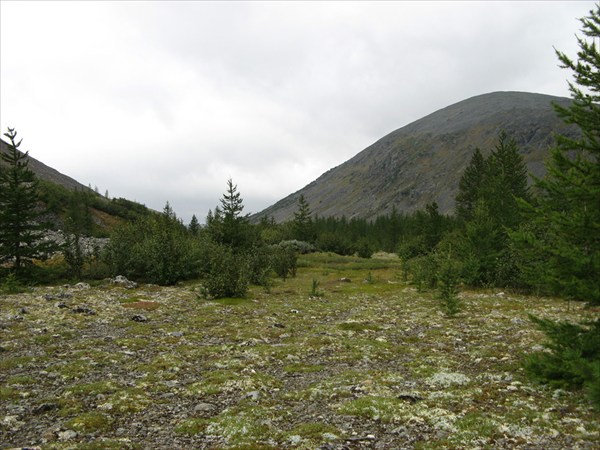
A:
(447, 379)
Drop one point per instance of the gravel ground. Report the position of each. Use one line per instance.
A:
(366, 365)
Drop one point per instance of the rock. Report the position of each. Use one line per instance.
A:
(81, 286)
(176, 333)
(254, 395)
(278, 325)
(204, 407)
(139, 318)
(61, 305)
(84, 310)
(124, 282)
(345, 280)
(44, 407)
(411, 398)
(67, 435)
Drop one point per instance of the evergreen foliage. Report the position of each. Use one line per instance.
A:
(228, 273)
(560, 248)
(78, 223)
(573, 360)
(487, 205)
(560, 245)
(470, 185)
(284, 260)
(448, 281)
(302, 223)
(21, 226)
(156, 249)
(194, 225)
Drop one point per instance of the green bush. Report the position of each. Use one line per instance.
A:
(424, 270)
(573, 360)
(301, 247)
(284, 260)
(259, 265)
(448, 280)
(156, 249)
(12, 285)
(227, 274)
(364, 249)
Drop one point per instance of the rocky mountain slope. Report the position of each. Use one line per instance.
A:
(47, 173)
(423, 161)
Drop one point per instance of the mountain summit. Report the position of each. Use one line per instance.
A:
(423, 162)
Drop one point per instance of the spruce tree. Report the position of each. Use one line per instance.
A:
(194, 226)
(564, 234)
(302, 224)
(561, 244)
(505, 181)
(487, 203)
(234, 226)
(20, 225)
(469, 190)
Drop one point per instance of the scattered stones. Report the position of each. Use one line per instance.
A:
(84, 310)
(82, 286)
(124, 282)
(60, 296)
(67, 435)
(139, 318)
(411, 398)
(204, 407)
(254, 395)
(368, 437)
(44, 407)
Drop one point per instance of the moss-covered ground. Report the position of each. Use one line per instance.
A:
(369, 362)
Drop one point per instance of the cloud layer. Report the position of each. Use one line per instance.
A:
(157, 101)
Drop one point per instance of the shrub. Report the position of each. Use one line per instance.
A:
(284, 260)
(448, 279)
(424, 271)
(228, 273)
(574, 357)
(157, 249)
(301, 247)
(259, 265)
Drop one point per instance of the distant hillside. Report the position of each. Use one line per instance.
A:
(56, 189)
(44, 172)
(423, 161)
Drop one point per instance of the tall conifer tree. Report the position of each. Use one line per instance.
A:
(561, 248)
(469, 188)
(20, 227)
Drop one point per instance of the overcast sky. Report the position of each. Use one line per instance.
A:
(157, 101)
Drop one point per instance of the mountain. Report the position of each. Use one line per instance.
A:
(57, 191)
(422, 162)
(44, 172)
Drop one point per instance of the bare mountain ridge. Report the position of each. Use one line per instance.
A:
(47, 173)
(423, 161)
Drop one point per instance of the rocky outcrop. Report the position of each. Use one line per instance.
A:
(89, 245)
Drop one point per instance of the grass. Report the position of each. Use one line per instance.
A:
(284, 369)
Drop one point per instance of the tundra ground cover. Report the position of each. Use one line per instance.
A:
(369, 363)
